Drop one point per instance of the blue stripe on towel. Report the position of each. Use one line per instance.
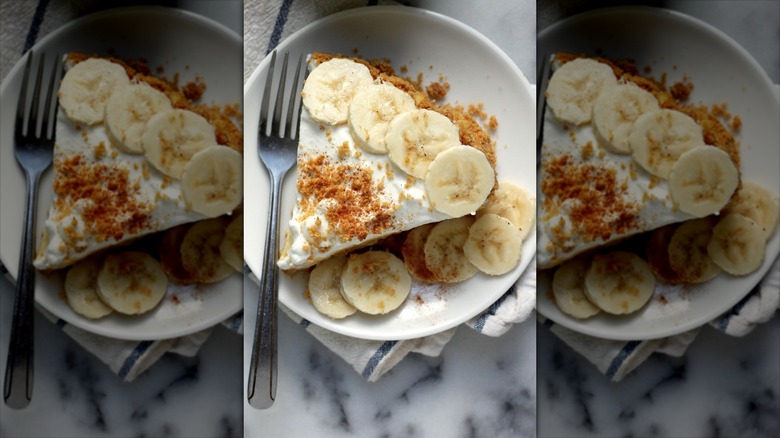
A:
(35, 25)
(480, 324)
(61, 323)
(380, 354)
(723, 322)
(621, 357)
(132, 359)
(281, 19)
(304, 323)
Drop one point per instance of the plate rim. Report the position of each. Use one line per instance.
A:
(409, 10)
(121, 12)
(575, 325)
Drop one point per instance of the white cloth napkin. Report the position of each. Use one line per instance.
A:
(267, 24)
(616, 359)
(23, 24)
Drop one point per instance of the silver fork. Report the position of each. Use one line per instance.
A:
(33, 149)
(277, 149)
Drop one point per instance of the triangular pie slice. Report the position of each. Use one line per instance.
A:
(353, 191)
(605, 175)
(109, 189)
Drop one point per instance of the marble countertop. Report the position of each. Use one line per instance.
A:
(479, 386)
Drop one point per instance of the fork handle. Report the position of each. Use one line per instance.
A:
(261, 388)
(19, 367)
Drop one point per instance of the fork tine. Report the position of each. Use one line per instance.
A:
(22, 103)
(32, 125)
(47, 126)
(295, 96)
(277, 124)
(267, 94)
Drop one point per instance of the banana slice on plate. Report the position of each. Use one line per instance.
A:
(688, 255)
(737, 245)
(757, 203)
(232, 246)
(413, 252)
(170, 254)
(443, 250)
(375, 282)
(81, 289)
(128, 110)
(131, 282)
(658, 138)
(568, 288)
(514, 203)
(459, 181)
(415, 138)
(493, 245)
(614, 113)
(86, 88)
(325, 288)
(371, 111)
(657, 251)
(702, 181)
(171, 138)
(330, 88)
(575, 86)
(619, 282)
(200, 254)
(212, 181)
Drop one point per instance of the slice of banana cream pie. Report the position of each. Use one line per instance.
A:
(135, 155)
(377, 157)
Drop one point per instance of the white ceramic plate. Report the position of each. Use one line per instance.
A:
(179, 42)
(478, 71)
(722, 71)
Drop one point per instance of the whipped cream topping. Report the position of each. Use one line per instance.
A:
(589, 197)
(103, 197)
(347, 197)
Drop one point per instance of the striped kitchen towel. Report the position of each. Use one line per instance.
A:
(616, 359)
(372, 359)
(128, 359)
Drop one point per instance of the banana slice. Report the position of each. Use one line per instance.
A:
(131, 282)
(413, 252)
(459, 180)
(325, 288)
(444, 250)
(757, 203)
(702, 181)
(657, 251)
(173, 137)
(81, 289)
(200, 255)
(658, 138)
(494, 245)
(688, 255)
(574, 87)
(86, 88)
(615, 111)
(415, 138)
(568, 287)
(375, 282)
(127, 111)
(737, 244)
(212, 182)
(330, 87)
(514, 203)
(619, 282)
(170, 254)
(371, 111)
(231, 248)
